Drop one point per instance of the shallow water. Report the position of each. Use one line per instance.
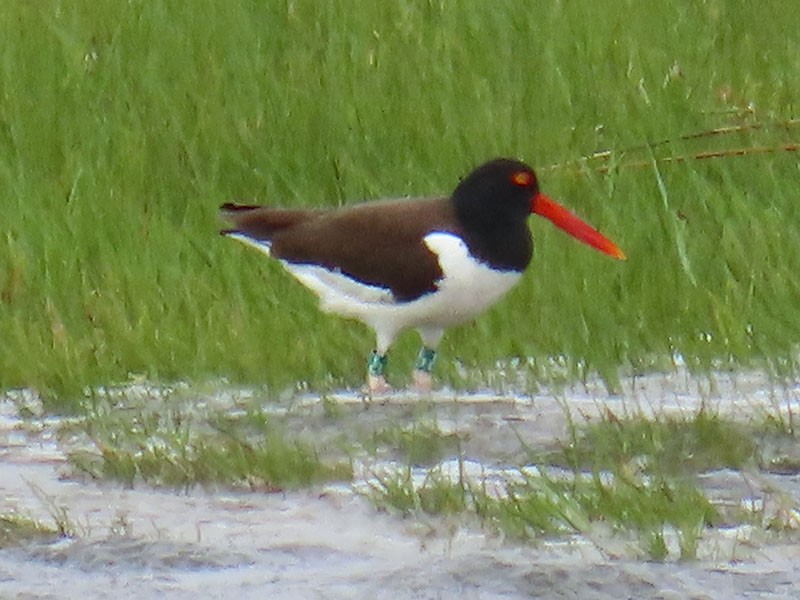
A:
(332, 543)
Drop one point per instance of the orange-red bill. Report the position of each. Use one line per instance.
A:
(574, 225)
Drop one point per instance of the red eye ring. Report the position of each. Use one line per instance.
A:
(522, 178)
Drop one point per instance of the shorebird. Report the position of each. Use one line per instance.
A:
(427, 263)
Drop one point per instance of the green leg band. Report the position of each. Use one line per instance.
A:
(376, 364)
(425, 359)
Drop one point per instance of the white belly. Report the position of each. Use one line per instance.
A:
(466, 289)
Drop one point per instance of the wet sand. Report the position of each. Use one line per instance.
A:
(331, 542)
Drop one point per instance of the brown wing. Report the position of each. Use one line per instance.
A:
(378, 243)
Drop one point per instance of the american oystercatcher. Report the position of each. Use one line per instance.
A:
(422, 263)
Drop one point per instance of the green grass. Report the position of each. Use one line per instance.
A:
(625, 503)
(662, 445)
(669, 445)
(16, 529)
(630, 478)
(123, 125)
(177, 447)
(545, 506)
(421, 443)
(437, 495)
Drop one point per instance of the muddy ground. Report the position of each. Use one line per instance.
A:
(331, 542)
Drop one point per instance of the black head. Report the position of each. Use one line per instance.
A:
(499, 189)
(492, 204)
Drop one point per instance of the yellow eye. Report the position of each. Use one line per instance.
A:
(522, 178)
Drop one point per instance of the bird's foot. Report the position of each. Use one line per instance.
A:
(421, 381)
(376, 381)
(377, 385)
